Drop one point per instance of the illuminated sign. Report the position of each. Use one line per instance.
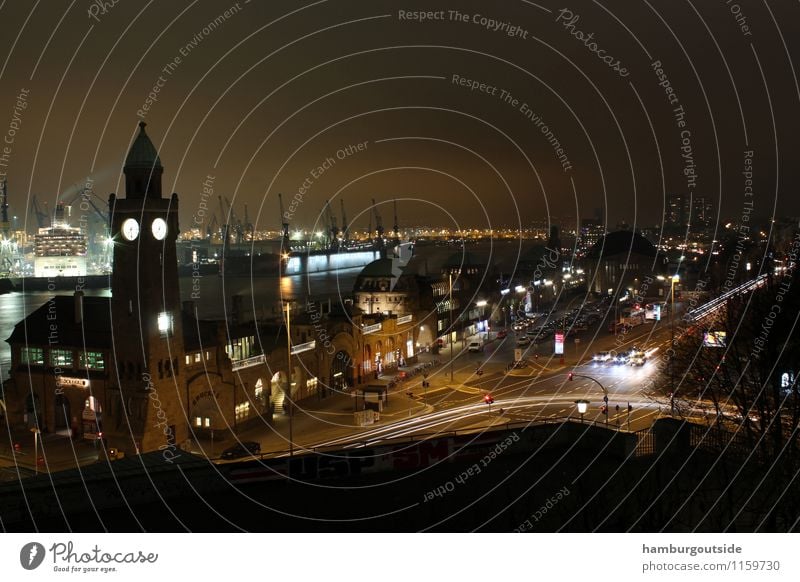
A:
(371, 328)
(300, 348)
(68, 381)
(714, 339)
(404, 319)
(559, 344)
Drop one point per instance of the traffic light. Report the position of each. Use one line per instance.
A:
(488, 399)
(604, 409)
(570, 376)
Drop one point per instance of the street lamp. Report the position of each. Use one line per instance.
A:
(289, 375)
(582, 407)
(573, 375)
(452, 327)
(672, 280)
(35, 431)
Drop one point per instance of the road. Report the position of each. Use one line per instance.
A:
(539, 392)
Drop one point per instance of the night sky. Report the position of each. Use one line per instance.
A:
(263, 94)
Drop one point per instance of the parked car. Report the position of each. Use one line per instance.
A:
(475, 346)
(242, 449)
(501, 334)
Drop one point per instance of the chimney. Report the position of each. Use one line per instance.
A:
(78, 306)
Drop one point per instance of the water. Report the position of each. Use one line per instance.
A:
(213, 294)
(265, 293)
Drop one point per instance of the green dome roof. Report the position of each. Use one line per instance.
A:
(143, 153)
(378, 268)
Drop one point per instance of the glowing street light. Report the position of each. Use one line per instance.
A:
(583, 406)
(673, 279)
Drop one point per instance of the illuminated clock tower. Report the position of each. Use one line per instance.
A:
(149, 411)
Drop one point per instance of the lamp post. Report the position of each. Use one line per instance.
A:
(35, 431)
(289, 375)
(672, 280)
(452, 326)
(572, 375)
(582, 406)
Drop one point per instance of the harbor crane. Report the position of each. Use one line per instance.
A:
(378, 226)
(42, 218)
(330, 224)
(395, 227)
(225, 224)
(238, 229)
(284, 226)
(345, 226)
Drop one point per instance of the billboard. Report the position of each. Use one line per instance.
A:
(559, 340)
(714, 339)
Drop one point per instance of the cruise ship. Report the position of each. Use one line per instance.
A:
(60, 249)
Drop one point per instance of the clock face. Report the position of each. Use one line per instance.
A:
(159, 228)
(130, 229)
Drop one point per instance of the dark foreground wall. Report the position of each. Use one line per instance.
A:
(565, 477)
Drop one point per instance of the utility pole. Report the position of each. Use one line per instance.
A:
(289, 375)
(673, 280)
(452, 326)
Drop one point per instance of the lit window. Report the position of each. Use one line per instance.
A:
(32, 356)
(259, 391)
(92, 360)
(311, 383)
(61, 358)
(208, 357)
(198, 357)
(207, 422)
(242, 410)
(198, 421)
(188, 359)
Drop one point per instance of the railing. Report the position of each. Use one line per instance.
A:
(249, 362)
(645, 443)
(380, 442)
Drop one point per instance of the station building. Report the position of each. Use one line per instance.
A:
(139, 371)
